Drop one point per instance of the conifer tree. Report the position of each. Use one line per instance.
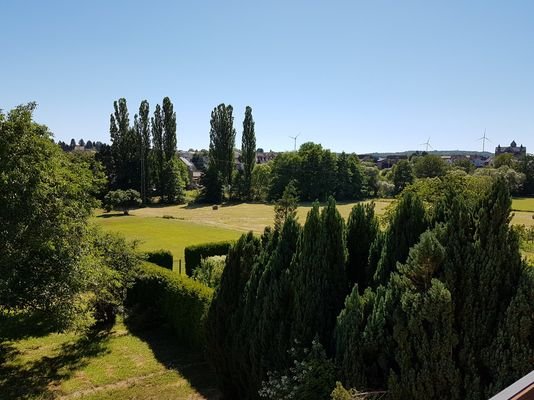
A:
(320, 282)
(225, 314)
(407, 223)
(362, 228)
(286, 206)
(424, 328)
(248, 151)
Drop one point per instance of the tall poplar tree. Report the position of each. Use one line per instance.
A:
(222, 142)
(248, 151)
(143, 137)
(157, 150)
(169, 130)
(124, 147)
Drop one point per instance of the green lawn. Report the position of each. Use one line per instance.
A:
(113, 364)
(159, 233)
(188, 225)
(523, 204)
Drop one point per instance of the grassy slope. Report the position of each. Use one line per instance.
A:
(114, 364)
(198, 224)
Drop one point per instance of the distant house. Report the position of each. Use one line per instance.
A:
(390, 161)
(512, 149)
(265, 157)
(194, 174)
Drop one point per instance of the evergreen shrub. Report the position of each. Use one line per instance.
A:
(177, 299)
(163, 258)
(194, 254)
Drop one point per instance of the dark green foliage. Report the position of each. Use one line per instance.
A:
(213, 190)
(172, 182)
(114, 266)
(423, 330)
(526, 166)
(513, 350)
(142, 128)
(407, 223)
(222, 142)
(285, 168)
(248, 152)
(157, 154)
(320, 282)
(317, 178)
(403, 175)
(349, 179)
(45, 204)
(225, 318)
(122, 200)
(163, 258)
(429, 166)
(125, 149)
(286, 206)
(182, 302)
(267, 326)
(169, 130)
(194, 254)
(352, 359)
(362, 229)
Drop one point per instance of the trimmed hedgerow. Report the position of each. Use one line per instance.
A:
(179, 300)
(194, 254)
(163, 258)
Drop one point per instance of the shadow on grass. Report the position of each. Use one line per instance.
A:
(189, 363)
(114, 215)
(36, 378)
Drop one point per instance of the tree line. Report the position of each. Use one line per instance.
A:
(439, 304)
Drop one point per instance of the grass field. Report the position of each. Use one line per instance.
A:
(113, 364)
(523, 204)
(159, 233)
(198, 224)
(188, 225)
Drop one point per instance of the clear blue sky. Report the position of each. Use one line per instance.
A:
(357, 76)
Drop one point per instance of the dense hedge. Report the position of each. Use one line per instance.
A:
(194, 254)
(181, 301)
(163, 258)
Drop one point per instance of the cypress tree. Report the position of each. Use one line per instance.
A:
(362, 229)
(513, 350)
(407, 224)
(226, 313)
(274, 307)
(423, 331)
(352, 358)
(248, 151)
(320, 282)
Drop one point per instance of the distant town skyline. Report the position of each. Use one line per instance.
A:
(354, 76)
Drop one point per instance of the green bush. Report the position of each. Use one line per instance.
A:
(179, 300)
(194, 254)
(210, 271)
(163, 258)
